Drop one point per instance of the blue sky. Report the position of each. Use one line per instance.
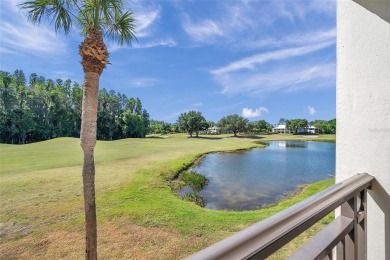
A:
(259, 59)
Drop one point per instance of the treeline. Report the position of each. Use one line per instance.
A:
(39, 109)
(194, 123)
(324, 127)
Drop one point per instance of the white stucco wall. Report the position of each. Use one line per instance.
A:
(363, 108)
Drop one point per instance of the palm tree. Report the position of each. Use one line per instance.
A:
(95, 19)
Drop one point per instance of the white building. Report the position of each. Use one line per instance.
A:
(281, 129)
(213, 130)
(309, 130)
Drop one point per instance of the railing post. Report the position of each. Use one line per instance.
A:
(354, 245)
(349, 209)
(362, 226)
(340, 255)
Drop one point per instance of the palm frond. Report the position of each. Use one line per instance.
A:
(109, 8)
(58, 10)
(122, 29)
(86, 18)
(107, 15)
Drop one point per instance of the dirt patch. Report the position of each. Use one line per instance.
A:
(136, 242)
(119, 240)
(11, 230)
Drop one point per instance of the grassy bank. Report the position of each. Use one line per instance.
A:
(138, 215)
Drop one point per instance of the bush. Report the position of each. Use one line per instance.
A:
(195, 180)
(196, 198)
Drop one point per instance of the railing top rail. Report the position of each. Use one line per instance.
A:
(265, 237)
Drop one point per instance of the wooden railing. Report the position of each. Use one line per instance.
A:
(347, 233)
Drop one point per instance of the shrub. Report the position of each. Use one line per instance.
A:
(196, 198)
(195, 180)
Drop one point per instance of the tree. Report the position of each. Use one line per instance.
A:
(233, 123)
(133, 124)
(192, 122)
(259, 126)
(33, 78)
(296, 124)
(321, 125)
(45, 110)
(20, 79)
(331, 127)
(136, 123)
(160, 127)
(282, 121)
(108, 112)
(95, 19)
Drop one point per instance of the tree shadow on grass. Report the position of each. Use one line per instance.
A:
(208, 137)
(249, 136)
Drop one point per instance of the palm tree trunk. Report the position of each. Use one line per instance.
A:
(88, 142)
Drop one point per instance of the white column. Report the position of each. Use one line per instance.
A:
(363, 109)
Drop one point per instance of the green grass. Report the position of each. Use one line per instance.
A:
(138, 214)
(195, 180)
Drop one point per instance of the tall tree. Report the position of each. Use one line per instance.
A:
(95, 18)
(192, 122)
(20, 79)
(321, 125)
(331, 128)
(296, 124)
(233, 123)
(259, 126)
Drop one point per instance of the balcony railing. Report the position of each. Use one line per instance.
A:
(347, 232)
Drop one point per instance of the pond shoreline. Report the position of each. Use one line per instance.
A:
(180, 191)
(188, 166)
(173, 182)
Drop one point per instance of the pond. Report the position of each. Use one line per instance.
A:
(248, 180)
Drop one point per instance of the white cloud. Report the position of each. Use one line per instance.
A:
(143, 82)
(226, 23)
(5, 50)
(311, 110)
(11, 5)
(151, 44)
(144, 20)
(312, 73)
(19, 35)
(252, 61)
(237, 22)
(248, 112)
(197, 105)
(204, 31)
(294, 10)
(252, 75)
(289, 78)
(29, 38)
(113, 47)
(295, 39)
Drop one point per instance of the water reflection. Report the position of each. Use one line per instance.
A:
(285, 144)
(248, 180)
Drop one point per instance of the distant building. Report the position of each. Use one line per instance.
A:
(312, 129)
(213, 130)
(281, 129)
